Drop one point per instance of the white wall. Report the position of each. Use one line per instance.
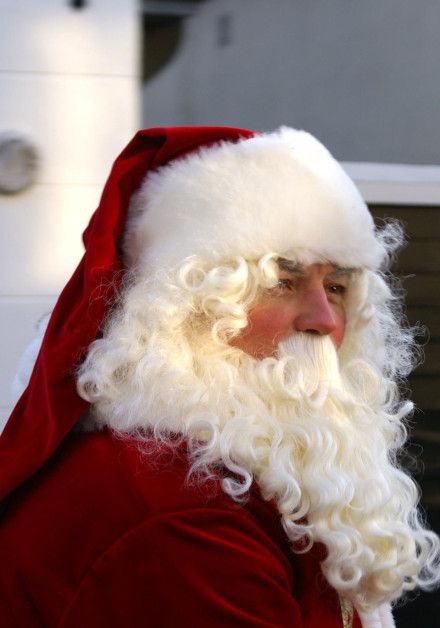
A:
(69, 83)
(361, 76)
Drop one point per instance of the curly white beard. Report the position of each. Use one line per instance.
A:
(332, 476)
(320, 439)
(319, 442)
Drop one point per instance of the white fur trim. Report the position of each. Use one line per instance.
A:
(279, 192)
(382, 617)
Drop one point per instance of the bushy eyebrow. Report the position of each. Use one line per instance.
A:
(341, 272)
(290, 266)
(295, 268)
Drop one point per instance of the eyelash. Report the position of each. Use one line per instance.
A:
(336, 288)
(285, 283)
(333, 288)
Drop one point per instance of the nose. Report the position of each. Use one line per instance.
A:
(315, 314)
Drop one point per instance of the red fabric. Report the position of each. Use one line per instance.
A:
(105, 537)
(50, 406)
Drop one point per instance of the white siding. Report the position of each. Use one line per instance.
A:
(69, 83)
(361, 76)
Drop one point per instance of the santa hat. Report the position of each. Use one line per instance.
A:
(278, 192)
(217, 192)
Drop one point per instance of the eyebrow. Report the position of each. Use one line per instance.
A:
(290, 266)
(295, 268)
(341, 272)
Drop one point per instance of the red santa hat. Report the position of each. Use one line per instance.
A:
(208, 191)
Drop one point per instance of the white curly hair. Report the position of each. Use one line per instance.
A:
(319, 430)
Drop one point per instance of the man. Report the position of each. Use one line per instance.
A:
(237, 463)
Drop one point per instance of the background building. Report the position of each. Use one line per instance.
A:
(69, 85)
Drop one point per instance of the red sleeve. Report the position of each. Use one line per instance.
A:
(197, 568)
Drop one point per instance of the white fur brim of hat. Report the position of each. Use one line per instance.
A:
(278, 192)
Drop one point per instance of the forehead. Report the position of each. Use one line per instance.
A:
(296, 268)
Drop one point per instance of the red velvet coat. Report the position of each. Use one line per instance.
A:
(104, 536)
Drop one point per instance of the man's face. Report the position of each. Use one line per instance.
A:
(308, 299)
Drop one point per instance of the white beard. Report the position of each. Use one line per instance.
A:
(312, 364)
(317, 441)
(319, 431)
(318, 438)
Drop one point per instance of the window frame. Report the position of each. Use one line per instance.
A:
(404, 184)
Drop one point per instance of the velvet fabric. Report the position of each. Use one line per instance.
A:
(107, 536)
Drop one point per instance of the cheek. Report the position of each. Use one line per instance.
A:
(337, 335)
(270, 320)
(266, 327)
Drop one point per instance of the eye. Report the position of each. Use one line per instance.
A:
(337, 289)
(285, 284)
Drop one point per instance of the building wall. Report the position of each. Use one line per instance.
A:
(418, 266)
(362, 76)
(68, 80)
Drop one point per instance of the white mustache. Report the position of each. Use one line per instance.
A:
(311, 366)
